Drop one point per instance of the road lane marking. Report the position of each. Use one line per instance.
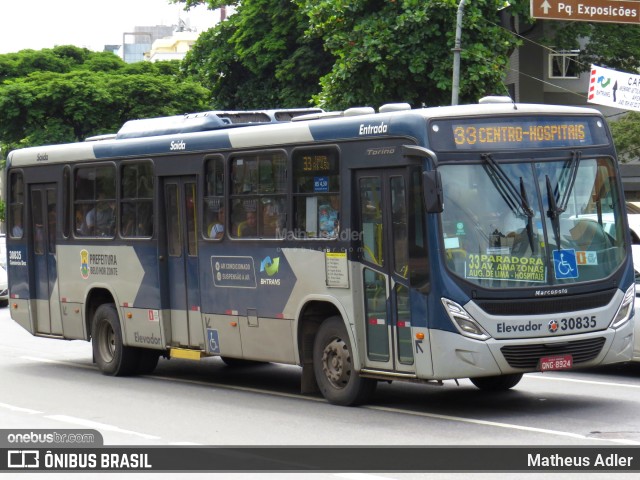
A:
(409, 412)
(588, 382)
(396, 410)
(490, 423)
(13, 408)
(58, 362)
(99, 426)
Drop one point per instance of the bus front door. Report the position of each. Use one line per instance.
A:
(182, 285)
(382, 216)
(42, 231)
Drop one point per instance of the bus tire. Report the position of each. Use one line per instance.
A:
(337, 380)
(111, 356)
(147, 361)
(497, 383)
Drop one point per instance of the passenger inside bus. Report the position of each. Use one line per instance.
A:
(248, 228)
(16, 231)
(272, 217)
(216, 228)
(80, 224)
(100, 220)
(329, 218)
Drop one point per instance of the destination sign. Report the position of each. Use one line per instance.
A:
(605, 11)
(492, 134)
(315, 161)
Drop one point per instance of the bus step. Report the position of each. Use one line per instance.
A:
(186, 353)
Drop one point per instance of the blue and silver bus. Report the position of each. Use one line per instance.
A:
(408, 244)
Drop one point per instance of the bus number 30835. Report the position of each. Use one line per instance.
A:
(578, 323)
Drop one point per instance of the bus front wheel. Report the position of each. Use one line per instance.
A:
(497, 383)
(337, 380)
(111, 356)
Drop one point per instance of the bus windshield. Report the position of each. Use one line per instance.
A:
(512, 225)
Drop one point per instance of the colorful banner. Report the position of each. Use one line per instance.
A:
(614, 89)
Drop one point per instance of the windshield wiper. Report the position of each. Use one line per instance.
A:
(517, 200)
(553, 212)
(573, 173)
(525, 201)
(558, 208)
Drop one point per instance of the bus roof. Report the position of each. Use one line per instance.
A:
(217, 131)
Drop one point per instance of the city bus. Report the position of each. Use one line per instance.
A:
(420, 245)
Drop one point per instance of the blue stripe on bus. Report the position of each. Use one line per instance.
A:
(162, 145)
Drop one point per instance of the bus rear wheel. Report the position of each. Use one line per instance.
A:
(337, 380)
(111, 356)
(147, 361)
(497, 383)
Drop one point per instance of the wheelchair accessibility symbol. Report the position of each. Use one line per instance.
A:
(212, 340)
(565, 264)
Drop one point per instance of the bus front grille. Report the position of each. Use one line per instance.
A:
(551, 305)
(528, 356)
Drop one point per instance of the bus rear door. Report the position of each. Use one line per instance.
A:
(382, 218)
(182, 284)
(43, 214)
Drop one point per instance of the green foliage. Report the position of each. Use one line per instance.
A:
(259, 57)
(211, 4)
(400, 50)
(66, 94)
(626, 136)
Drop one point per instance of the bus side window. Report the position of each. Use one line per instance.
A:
(259, 195)
(94, 192)
(16, 205)
(136, 200)
(214, 211)
(316, 195)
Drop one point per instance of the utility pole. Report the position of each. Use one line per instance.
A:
(455, 87)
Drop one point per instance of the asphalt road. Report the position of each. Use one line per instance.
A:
(53, 384)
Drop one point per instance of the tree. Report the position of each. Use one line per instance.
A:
(626, 136)
(74, 93)
(258, 58)
(400, 50)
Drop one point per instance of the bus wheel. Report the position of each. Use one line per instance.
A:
(147, 361)
(112, 357)
(497, 383)
(333, 366)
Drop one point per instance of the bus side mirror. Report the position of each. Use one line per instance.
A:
(432, 185)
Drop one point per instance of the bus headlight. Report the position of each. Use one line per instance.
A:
(626, 307)
(463, 321)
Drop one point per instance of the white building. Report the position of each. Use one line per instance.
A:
(174, 47)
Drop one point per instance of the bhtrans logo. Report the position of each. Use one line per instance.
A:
(270, 267)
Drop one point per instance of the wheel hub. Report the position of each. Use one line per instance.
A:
(336, 363)
(108, 343)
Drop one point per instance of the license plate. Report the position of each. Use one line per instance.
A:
(558, 362)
